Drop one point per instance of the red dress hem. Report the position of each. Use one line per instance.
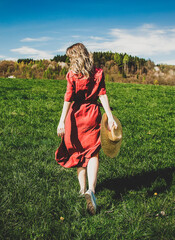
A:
(73, 161)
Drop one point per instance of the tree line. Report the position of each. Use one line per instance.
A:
(117, 67)
(125, 63)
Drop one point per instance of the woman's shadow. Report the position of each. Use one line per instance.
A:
(155, 181)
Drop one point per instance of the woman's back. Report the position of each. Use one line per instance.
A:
(80, 88)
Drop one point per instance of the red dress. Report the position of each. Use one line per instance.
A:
(81, 140)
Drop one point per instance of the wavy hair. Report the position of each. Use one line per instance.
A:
(81, 61)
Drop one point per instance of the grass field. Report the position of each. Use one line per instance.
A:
(135, 191)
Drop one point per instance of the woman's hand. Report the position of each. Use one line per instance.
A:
(105, 104)
(111, 123)
(61, 129)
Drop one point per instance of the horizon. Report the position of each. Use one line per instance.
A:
(42, 30)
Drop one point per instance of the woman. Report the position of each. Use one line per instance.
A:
(79, 125)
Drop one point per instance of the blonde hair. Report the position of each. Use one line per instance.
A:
(81, 61)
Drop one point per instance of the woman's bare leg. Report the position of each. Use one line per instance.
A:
(82, 174)
(92, 170)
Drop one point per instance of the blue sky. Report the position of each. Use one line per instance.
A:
(43, 29)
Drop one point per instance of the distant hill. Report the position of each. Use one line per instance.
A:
(118, 67)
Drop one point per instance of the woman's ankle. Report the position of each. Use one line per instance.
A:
(82, 191)
(92, 190)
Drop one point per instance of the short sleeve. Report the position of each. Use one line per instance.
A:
(102, 87)
(69, 95)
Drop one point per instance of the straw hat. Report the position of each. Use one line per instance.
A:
(110, 140)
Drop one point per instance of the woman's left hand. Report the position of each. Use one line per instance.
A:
(111, 123)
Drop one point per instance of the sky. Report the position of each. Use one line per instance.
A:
(44, 29)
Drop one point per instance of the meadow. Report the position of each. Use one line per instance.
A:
(135, 191)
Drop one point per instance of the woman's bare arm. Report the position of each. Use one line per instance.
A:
(61, 125)
(105, 104)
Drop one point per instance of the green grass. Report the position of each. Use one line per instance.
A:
(36, 191)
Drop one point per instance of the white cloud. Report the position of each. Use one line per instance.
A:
(61, 50)
(11, 59)
(97, 38)
(33, 53)
(8, 58)
(2, 57)
(75, 36)
(147, 26)
(146, 41)
(41, 39)
(168, 62)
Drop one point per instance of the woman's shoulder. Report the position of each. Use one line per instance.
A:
(70, 75)
(98, 70)
(98, 73)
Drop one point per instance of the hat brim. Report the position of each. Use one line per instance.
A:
(110, 148)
